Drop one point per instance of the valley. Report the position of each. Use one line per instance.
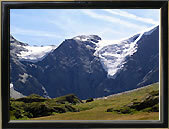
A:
(64, 69)
(116, 107)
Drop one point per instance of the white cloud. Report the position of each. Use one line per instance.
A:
(113, 20)
(131, 16)
(74, 28)
(28, 32)
(64, 24)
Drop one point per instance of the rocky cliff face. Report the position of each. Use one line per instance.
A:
(21, 79)
(90, 67)
(141, 68)
(71, 68)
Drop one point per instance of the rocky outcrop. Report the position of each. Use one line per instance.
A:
(22, 81)
(36, 106)
(71, 68)
(150, 103)
(31, 98)
(70, 98)
(89, 100)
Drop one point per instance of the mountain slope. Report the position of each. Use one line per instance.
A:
(24, 52)
(23, 82)
(140, 69)
(74, 62)
(15, 94)
(91, 67)
(112, 54)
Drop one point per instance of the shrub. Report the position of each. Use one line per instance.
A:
(89, 100)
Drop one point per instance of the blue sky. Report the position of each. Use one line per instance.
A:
(52, 26)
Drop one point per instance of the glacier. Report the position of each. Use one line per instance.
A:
(35, 53)
(113, 53)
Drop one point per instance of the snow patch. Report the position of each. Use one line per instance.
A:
(35, 53)
(11, 85)
(47, 66)
(112, 53)
(89, 47)
(81, 38)
(45, 92)
(23, 77)
(92, 38)
(106, 90)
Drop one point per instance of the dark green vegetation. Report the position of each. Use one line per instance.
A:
(89, 100)
(150, 103)
(36, 106)
(141, 104)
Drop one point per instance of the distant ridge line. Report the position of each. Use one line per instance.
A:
(125, 92)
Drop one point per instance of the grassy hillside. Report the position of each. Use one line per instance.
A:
(141, 104)
(36, 106)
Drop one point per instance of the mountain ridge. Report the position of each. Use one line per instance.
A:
(134, 61)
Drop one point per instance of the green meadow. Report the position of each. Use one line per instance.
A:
(140, 104)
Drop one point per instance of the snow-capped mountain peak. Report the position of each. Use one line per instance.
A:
(91, 38)
(35, 53)
(29, 53)
(113, 53)
(150, 30)
(16, 42)
(86, 64)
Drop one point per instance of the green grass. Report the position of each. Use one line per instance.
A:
(97, 110)
(36, 106)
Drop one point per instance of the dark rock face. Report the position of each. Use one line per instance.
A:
(22, 80)
(141, 69)
(73, 68)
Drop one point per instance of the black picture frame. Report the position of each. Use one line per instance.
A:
(5, 55)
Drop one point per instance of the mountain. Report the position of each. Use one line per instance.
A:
(89, 66)
(23, 82)
(141, 68)
(71, 68)
(24, 52)
(14, 93)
